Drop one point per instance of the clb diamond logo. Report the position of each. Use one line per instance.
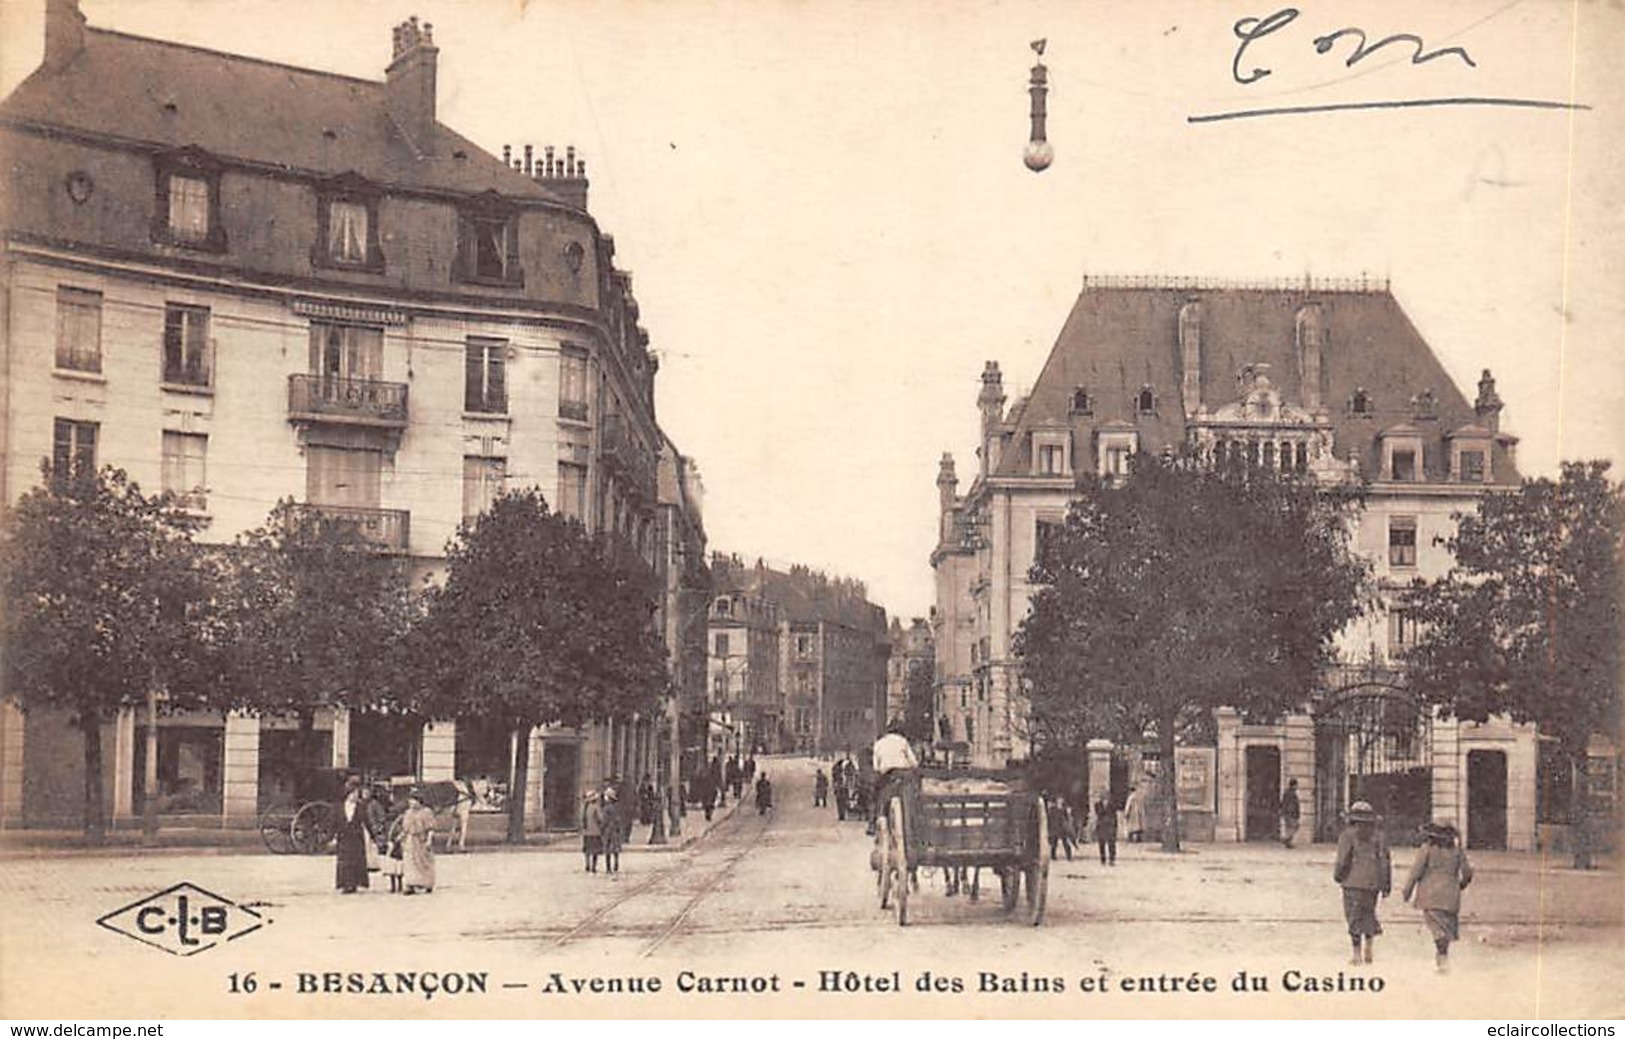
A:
(184, 920)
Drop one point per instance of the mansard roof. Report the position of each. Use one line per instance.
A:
(1123, 337)
(172, 95)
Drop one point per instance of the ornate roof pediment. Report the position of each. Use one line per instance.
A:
(1260, 402)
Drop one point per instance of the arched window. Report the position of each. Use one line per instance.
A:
(1146, 402)
(1360, 402)
(1081, 404)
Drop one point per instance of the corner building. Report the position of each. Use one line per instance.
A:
(243, 281)
(1330, 379)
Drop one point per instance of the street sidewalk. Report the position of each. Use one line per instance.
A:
(486, 834)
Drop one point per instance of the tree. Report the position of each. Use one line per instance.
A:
(1182, 590)
(919, 700)
(537, 624)
(1527, 622)
(104, 605)
(313, 616)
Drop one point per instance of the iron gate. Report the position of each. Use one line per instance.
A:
(1373, 742)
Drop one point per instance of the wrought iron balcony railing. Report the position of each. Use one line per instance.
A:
(369, 402)
(389, 530)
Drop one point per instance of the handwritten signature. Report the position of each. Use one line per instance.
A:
(1249, 30)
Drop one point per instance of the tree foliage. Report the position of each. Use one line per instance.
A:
(1182, 590)
(312, 616)
(1527, 622)
(536, 624)
(919, 691)
(105, 601)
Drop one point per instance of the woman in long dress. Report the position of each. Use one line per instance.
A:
(417, 846)
(350, 865)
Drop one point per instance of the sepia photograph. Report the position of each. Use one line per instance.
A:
(811, 509)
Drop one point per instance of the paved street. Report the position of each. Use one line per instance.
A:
(787, 897)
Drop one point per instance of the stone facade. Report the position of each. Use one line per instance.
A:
(246, 282)
(1327, 380)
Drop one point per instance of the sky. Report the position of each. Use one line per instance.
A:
(830, 228)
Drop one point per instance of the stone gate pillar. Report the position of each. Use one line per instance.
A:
(1227, 827)
(437, 761)
(240, 774)
(1100, 769)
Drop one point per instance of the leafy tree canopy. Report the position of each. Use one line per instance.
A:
(1181, 590)
(1527, 623)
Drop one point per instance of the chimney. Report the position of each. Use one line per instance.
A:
(409, 82)
(1488, 405)
(1190, 356)
(1311, 336)
(64, 33)
(991, 401)
(947, 492)
(566, 177)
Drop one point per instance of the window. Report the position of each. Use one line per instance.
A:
(573, 384)
(572, 491)
(341, 477)
(488, 245)
(1402, 541)
(485, 388)
(1045, 535)
(719, 683)
(348, 232)
(1404, 466)
(189, 208)
(1051, 459)
(183, 472)
(78, 330)
(1116, 460)
(1402, 629)
(1081, 402)
(1471, 467)
(1145, 403)
(482, 483)
(339, 353)
(186, 345)
(725, 607)
(722, 644)
(73, 448)
(1360, 403)
(804, 645)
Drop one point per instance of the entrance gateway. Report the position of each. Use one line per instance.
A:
(1373, 742)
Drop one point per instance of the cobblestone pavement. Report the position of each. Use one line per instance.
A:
(785, 903)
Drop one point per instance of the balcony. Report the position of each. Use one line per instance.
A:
(387, 530)
(366, 402)
(626, 457)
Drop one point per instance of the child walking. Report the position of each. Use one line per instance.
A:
(1439, 875)
(1365, 871)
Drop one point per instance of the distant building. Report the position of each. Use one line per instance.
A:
(911, 649)
(1331, 380)
(828, 679)
(242, 282)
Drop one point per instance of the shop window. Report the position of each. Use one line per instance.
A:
(189, 769)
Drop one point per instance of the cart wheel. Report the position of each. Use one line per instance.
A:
(1038, 871)
(314, 828)
(899, 860)
(276, 830)
(880, 859)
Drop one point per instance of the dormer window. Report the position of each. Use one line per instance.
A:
(1081, 402)
(1404, 465)
(347, 226)
(1145, 402)
(1425, 405)
(187, 209)
(1470, 455)
(1360, 403)
(1050, 454)
(488, 243)
(1116, 452)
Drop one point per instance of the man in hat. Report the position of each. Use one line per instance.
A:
(1438, 876)
(1365, 871)
(1291, 813)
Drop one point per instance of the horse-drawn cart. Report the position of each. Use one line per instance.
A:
(963, 822)
(311, 826)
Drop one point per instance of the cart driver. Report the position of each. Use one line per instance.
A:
(892, 754)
